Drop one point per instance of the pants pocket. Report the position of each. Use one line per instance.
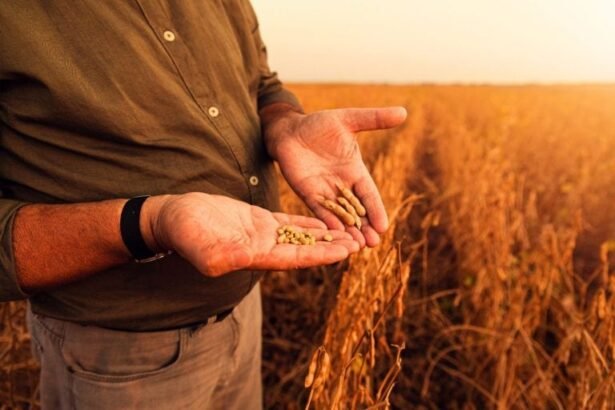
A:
(111, 356)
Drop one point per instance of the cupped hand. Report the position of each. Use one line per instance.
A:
(318, 152)
(217, 234)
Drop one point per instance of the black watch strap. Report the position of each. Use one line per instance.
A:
(131, 230)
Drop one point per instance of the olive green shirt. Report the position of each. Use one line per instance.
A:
(118, 98)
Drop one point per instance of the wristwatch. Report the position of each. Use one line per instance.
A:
(131, 232)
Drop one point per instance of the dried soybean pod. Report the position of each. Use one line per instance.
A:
(356, 204)
(309, 379)
(601, 304)
(354, 201)
(351, 210)
(323, 369)
(372, 349)
(339, 211)
(344, 202)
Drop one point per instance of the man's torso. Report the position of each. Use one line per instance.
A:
(113, 99)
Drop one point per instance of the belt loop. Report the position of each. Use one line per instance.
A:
(192, 329)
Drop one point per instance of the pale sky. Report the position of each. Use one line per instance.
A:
(409, 41)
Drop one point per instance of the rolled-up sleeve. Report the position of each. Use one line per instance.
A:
(9, 287)
(270, 90)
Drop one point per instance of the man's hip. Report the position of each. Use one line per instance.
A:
(213, 365)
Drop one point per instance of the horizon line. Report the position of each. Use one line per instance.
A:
(456, 83)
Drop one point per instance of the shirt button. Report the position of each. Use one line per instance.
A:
(168, 36)
(254, 180)
(213, 112)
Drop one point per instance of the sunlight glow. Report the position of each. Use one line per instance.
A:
(440, 41)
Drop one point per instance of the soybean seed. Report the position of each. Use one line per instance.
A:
(288, 234)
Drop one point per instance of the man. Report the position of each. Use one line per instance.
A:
(152, 302)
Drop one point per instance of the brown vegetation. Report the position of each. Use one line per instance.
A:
(494, 287)
(496, 274)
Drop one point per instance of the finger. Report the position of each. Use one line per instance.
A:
(357, 235)
(369, 196)
(350, 244)
(368, 119)
(371, 236)
(299, 220)
(285, 256)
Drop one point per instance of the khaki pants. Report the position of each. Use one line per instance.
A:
(216, 366)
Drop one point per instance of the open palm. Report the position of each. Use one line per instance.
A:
(318, 151)
(217, 234)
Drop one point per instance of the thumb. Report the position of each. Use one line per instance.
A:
(369, 119)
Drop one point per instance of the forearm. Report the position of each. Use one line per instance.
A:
(57, 244)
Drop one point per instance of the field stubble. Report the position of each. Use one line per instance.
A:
(493, 288)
